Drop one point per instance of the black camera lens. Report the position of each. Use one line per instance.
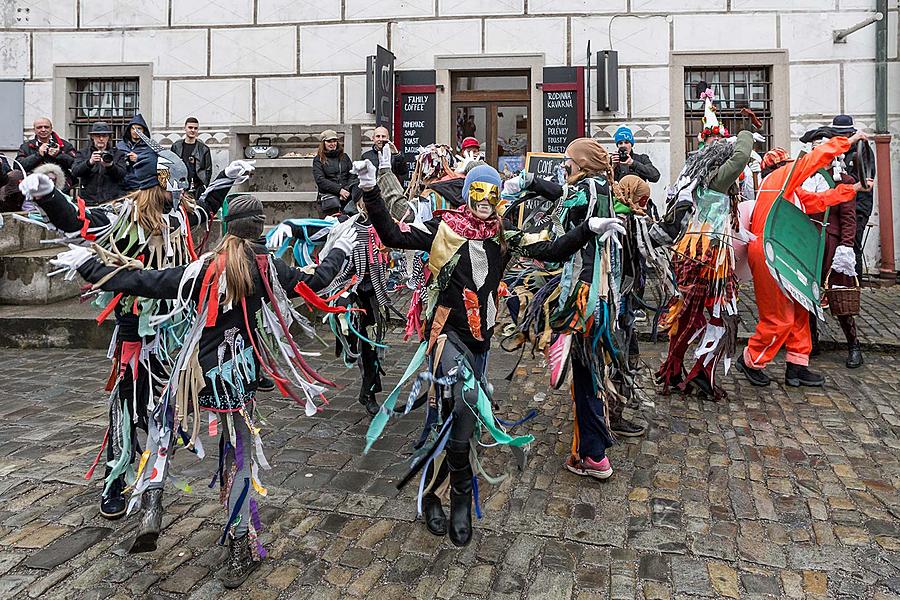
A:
(107, 157)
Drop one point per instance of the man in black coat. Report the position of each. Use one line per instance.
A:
(627, 162)
(196, 156)
(100, 166)
(856, 164)
(47, 147)
(380, 137)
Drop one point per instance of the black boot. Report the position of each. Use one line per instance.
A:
(151, 522)
(114, 504)
(854, 357)
(460, 529)
(435, 519)
(797, 375)
(756, 377)
(240, 562)
(368, 400)
(264, 384)
(619, 425)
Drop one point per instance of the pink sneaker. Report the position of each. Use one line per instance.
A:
(597, 470)
(589, 468)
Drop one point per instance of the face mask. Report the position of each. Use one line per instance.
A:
(479, 191)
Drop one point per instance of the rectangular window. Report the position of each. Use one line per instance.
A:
(114, 101)
(735, 88)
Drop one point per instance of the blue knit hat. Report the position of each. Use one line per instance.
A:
(482, 173)
(623, 134)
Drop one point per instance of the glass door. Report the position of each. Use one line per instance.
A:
(493, 107)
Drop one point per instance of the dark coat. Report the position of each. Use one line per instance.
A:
(642, 167)
(840, 231)
(334, 175)
(202, 161)
(398, 163)
(99, 183)
(127, 146)
(30, 158)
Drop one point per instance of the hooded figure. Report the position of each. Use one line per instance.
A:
(133, 146)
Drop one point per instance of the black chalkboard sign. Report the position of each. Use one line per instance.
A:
(415, 119)
(544, 165)
(563, 89)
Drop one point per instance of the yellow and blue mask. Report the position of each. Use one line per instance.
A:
(482, 183)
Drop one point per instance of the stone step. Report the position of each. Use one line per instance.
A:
(16, 236)
(24, 278)
(66, 324)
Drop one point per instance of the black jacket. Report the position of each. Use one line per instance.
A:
(334, 175)
(202, 162)
(642, 167)
(99, 183)
(4, 170)
(398, 163)
(30, 158)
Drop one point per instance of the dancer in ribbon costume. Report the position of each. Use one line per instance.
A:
(362, 283)
(153, 225)
(468, 250)
(578, 315)
(234, 302)
(782, 320)
(701, 223)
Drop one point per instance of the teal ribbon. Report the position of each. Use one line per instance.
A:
(376, 427)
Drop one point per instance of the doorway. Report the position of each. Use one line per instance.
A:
(493, 107)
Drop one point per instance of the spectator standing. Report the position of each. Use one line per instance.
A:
(100, 167)
(132, 145)
(47, 147)
(380, 137)
(196, 156)
(331, 171)
(627, 162)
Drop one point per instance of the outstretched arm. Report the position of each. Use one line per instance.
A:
(734, 166)
(540, 247)
(816, 202)
(150, 283)
(68, 217)
(409, 238)
(820, 157)
(319, 279)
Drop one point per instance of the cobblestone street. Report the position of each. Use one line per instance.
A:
(777, 493)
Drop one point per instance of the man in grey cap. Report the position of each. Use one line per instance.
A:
(100, 166)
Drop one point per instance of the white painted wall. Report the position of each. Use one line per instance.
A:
(238, 62)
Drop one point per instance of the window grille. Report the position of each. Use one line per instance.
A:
(114, 101)
(734, 88)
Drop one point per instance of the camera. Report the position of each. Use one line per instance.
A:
(51, 143)
(107, 157)
(623, 154)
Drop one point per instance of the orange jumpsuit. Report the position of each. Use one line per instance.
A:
(782, 320)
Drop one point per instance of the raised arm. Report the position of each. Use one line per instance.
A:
(214, 195)
(734, 166)
(820, 157)
(545, 188)
(817, 202)
(68, 217)
(150, 283)
(409, 238)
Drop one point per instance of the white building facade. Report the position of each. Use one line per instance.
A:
(245, 63)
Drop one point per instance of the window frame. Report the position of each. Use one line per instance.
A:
(775, 59)
(65, 78)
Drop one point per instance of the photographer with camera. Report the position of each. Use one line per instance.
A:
(47, 147)
(627, 162)
(100, 167)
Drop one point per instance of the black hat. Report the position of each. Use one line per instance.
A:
(100, 128)
(843, 123)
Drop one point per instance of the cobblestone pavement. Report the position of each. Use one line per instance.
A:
(777, 493)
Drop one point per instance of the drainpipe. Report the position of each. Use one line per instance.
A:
(886, 270)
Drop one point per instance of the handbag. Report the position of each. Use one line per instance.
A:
(328, 203)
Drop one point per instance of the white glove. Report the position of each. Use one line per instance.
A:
(512, 186)
(240, 170)
(36, 185)
(365, 171)
(606, 227)
(278, 236)
(844, 261)
(758, 137)
(71, 259)
(346, 242)
(755, 162)
(384, 157)
(463, 162)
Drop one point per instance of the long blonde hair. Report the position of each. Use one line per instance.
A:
(235, 253)
(150, 208)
